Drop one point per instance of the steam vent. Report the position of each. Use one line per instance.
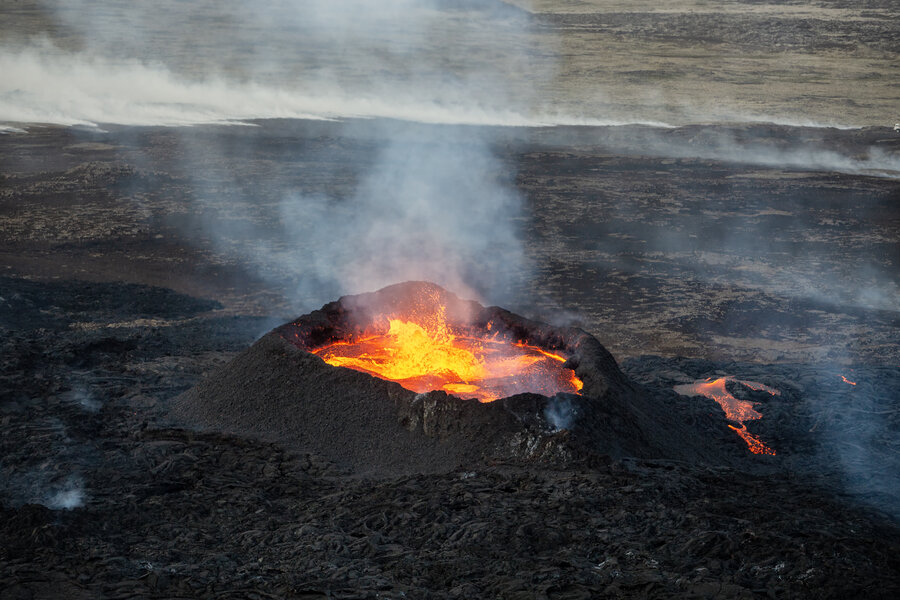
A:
(506, 388)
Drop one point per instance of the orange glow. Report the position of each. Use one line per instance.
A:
(845, 380)
(576, 383)
(736, 410)
(754, 443)
(425, 355)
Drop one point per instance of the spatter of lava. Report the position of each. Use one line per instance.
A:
(427, 355)
(736, 410)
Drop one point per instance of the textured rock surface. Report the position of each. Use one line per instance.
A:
(162, 512)
(278, 391)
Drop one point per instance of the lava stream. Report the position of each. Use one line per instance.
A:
(736, 410)
(845, 380)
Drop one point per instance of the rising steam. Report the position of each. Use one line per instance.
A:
(560, 412)
(68, 496)
(425, 209)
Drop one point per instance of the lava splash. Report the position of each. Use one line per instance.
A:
(736, 410)
(423, 353)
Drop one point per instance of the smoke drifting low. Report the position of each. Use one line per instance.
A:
(102, 90)
(782, 148)
(47, 86)
(67, 497)
(36, 487)
(560, 413)
(53, 477)
(430, 206)
(186, 63)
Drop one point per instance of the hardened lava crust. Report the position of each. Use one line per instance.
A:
(279, 391)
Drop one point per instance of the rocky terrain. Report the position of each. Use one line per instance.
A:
(113, 306)
(102, 498)
(666, 177)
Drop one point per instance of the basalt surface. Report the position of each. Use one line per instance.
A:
(101, 498)
(279, 391)
(115, 300)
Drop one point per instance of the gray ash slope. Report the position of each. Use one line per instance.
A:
(278, 391)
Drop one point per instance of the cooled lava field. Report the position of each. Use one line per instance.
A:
(687, 216)
(117, 310)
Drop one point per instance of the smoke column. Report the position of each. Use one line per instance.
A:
(430, 207)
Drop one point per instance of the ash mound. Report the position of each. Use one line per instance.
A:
(279, 390)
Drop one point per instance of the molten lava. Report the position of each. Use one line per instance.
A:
(423, 353)
(736, 410)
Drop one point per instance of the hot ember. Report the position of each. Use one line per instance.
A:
(845, 380)
(423, 352)
(736, 410)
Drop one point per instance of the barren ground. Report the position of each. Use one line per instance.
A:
(730, 246)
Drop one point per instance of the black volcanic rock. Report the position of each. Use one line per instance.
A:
(277, 390)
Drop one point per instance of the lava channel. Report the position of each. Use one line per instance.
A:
(736, 411)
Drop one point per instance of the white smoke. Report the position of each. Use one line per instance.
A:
(67, 497)
(430, 207)
(4, 129)
(82, 397)
(733, 143)
(856, 430)
(46, 485)
(560, 413)
(875, 162)
(43, 84)
(176, 63)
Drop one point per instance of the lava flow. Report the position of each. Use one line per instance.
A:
(425, 354)
(736, 410)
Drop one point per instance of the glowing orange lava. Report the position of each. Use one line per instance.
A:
(427, 355)
(845, 380)
(736, 410)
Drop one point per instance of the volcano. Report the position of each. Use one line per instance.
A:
(426, 339)
(328, 382)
